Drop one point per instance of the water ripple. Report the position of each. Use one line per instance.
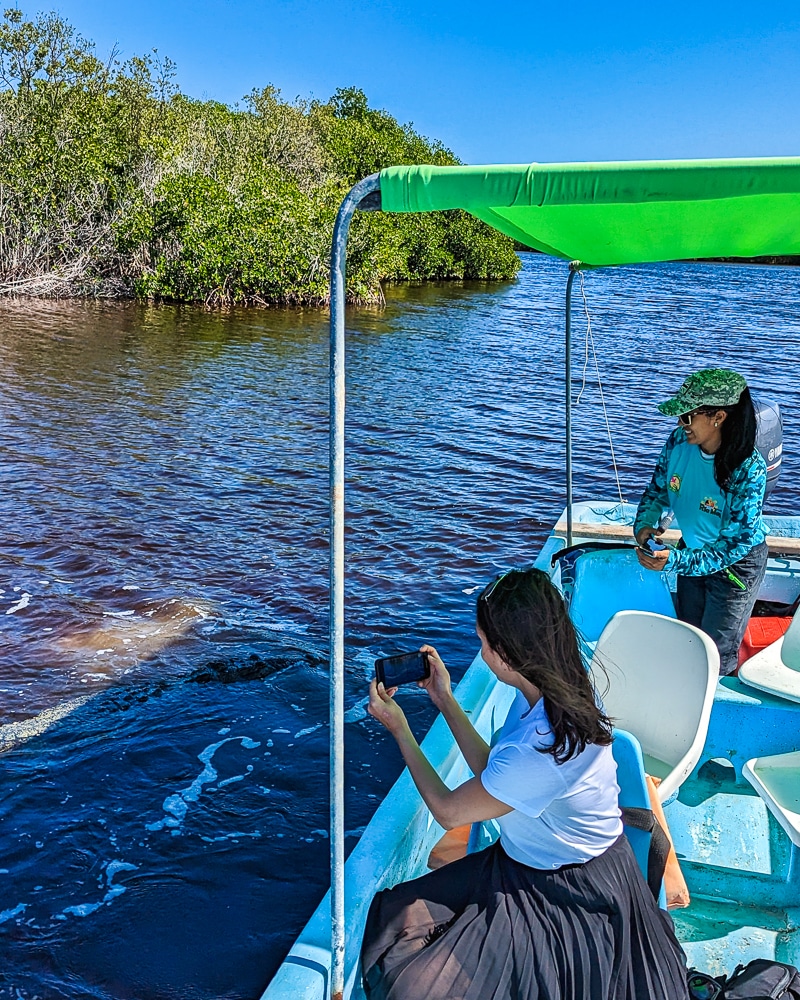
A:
(164, 580)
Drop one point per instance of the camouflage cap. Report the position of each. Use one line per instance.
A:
(710, 387)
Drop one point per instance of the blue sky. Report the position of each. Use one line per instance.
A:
(499, 82)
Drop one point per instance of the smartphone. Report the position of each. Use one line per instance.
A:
(651, 545)
(404, 668)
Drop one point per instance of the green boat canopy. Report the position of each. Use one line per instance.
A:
(619, 213)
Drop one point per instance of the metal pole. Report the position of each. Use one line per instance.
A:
(368, 186)
(574, 267)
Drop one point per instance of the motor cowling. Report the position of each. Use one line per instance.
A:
(769, 438)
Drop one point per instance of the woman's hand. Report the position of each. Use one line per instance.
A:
(385, 709)
(643, 534)
(656, 560)
(438, 684)
(650, 560)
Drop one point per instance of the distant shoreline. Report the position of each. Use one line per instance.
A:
(787, 261)
(769, 259)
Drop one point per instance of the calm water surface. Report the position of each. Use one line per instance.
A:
(163, 578)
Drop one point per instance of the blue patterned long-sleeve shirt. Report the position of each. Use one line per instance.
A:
(719, 527)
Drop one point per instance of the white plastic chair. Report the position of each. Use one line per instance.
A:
(776, 669)
(656, 677)
(777, 781)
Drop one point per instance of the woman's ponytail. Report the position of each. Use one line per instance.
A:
(738, 438)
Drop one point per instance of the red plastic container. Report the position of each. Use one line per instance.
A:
(760, 633)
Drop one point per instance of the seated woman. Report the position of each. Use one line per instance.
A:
(557, 909)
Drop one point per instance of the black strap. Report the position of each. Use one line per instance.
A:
(582, 547)
(644, 819)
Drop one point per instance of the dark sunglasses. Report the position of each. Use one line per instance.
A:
(686, 418)
(703, 987)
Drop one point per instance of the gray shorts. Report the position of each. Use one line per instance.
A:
(717, 606)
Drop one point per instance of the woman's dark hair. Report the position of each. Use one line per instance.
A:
(525, 621)
(738, 438)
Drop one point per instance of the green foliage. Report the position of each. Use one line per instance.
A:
(264, 242)
(361, 141)
(112, 182)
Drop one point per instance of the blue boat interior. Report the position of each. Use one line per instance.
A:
(605, 581)
(741, 866)
(735, 847)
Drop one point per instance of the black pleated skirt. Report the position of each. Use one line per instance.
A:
(489, 928)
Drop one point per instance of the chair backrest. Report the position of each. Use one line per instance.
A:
(630, 771)
(777, 780)
(790, 650)
(610, 581)
(633, 794)
(776, 668)
(656, 677)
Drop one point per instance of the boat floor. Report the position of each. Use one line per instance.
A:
(732, 849)
(717, 936)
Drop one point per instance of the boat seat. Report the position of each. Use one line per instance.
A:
(656, 677)
(613, 580)
(777, 781)
(776, 669)
(632, 789)
(748, 723)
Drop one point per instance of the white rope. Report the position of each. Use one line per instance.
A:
(590, 339)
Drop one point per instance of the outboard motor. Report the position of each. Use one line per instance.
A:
(769, 438)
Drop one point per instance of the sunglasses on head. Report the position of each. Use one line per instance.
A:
(686, 418)
(520, 569)
(488, 593)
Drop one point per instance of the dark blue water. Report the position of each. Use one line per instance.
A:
(163, 578)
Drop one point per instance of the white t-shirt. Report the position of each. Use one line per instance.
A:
(562, 814)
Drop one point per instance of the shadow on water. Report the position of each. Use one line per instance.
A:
(127, 823)
(158, 840)
(165, 550)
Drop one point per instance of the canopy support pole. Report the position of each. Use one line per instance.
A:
(574, 267)
(366, 196)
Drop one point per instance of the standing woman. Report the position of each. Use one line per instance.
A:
(557, 909)
(711, 474)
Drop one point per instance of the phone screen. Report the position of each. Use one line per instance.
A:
(404, 668)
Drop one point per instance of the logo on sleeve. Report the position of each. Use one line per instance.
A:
(674, 485)
(708, 505)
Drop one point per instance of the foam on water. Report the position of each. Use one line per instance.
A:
(112, 868)
(234, 835)
(310, 729)
(358, 711)
(23, 602)
(14, 733)
(176, 806)
(15, 912)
